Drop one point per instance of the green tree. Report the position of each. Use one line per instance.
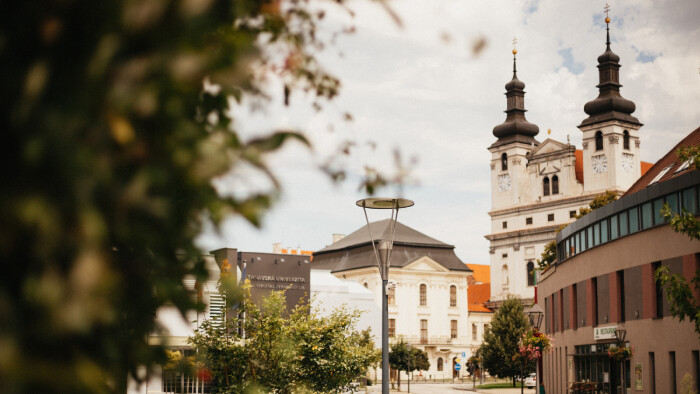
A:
(111, 145)
(501, 340)
(549, 255)
(680, 296)
(303, 352)
(406, 358)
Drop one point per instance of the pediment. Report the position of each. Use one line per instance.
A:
(425, 264)
(549, 169)
(548, 146)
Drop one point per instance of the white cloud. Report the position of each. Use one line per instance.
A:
(434, 99)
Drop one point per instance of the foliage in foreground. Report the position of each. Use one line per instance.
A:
(111, 146)
(679, 292)
(299, 353)
(502, 339)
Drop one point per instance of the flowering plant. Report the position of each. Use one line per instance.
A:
(620, 353)
(534, 343)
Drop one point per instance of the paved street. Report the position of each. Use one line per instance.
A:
(434, 388)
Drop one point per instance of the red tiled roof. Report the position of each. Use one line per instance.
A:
(479, 287)
(670, 162)
(578, 167)
(481, 272)
(478, 295)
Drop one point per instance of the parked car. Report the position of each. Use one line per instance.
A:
(531, 381)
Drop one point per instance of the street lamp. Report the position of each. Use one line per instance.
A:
(620, 334)
(536, 314)
(383, 256)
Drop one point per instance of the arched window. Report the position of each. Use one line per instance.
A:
(530, 273)
(423, 295)
(365, 285)
(504, 275)
(626, 139)
(599, 140)
(440, 364)
(555, 185)
(453, 295)
(504, 162)
(545, 186)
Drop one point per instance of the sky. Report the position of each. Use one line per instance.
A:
(421, 89)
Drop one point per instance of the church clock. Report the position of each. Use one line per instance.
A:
(600, 164)
(627, 162)
(504, 182)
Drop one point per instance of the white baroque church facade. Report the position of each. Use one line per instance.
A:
(536, 187)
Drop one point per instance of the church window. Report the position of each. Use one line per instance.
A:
(545, 186)
(550, 217)
(440, 364)
(626, 139)
(391, 295)
(572, 214)
(528, 220)
(504, 255)
(530, 273)
(365, 285)
(453, 329)
(453, 295)
(505, 224)
(555, 185)
(504, 275)
(392, 328)
(423, 295)
(423, 331)
(599, 140)
(504, 162)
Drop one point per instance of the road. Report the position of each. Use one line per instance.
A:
(455, 388)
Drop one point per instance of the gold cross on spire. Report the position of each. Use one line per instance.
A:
(607, 13)
(515, 41)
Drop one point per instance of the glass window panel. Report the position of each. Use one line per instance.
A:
(589, 244)
(604, 231)
(658, 204)
(613, 227)
(672, 201)
(582, 237)
(647, 215)
(578, 243)
(596, 234)
(623, 224)
(689, 198)
(566, 248)
(634, 220)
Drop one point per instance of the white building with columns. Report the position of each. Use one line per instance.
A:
(538, 187)
(428, 306)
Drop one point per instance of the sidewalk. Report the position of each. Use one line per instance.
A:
(456, 388)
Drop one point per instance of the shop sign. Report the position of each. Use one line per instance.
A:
(604, 332)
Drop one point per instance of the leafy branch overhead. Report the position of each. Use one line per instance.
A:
(117, 121)
(681, 293)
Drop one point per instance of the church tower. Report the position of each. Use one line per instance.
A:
(610, 133)
(516, 138)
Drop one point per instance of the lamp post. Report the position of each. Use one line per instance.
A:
(383, 256)
(536, 314)
(620, 334)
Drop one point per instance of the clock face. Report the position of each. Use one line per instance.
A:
(504, 182)
(600, 164)
(627, 162)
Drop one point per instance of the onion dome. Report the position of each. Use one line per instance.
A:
(609, 105)
(516, 128)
